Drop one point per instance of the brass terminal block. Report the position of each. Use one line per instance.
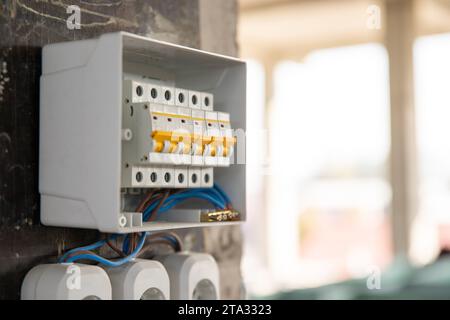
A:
(220, 216)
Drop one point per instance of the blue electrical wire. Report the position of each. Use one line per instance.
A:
(205, 194)
(93, 246)
(224, 195)
(219, 195)
(209, 194)
(215, 196)
(172, 201)
(212, 191)
(196, 194)
(110, 263)
(172, 239)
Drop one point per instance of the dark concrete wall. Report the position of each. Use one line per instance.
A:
(25, 26)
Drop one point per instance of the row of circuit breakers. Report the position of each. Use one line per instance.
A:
(193, 276)
(175, 133)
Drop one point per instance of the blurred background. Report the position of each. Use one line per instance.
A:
(348, 148)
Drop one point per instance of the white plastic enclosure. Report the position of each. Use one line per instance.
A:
(82, 135)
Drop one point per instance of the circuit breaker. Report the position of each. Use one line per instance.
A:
(122, 115)
(172, 137)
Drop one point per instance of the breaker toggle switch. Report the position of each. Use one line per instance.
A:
(197, 149)
(182, 141)
(228, 144)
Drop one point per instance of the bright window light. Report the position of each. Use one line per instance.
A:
(432, 78)
(328, 193)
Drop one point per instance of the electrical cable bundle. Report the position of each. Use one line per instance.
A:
(155, 203)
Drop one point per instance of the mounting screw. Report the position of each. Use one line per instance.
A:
(127, 134)
(122, 221)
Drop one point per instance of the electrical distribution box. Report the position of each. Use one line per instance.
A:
(123, 114)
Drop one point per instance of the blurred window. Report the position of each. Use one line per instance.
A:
(254, 260)
(328, 192)
(432, 79)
